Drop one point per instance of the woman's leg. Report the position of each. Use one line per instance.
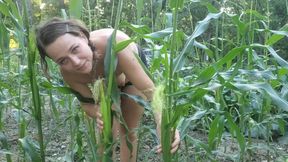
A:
(132, 113)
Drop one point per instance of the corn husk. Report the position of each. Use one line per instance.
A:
(158, 100)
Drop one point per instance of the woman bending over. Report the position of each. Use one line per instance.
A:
(80, 56)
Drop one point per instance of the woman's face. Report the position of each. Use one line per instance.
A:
(71, 53)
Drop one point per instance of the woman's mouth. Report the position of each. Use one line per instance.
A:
(80, 68)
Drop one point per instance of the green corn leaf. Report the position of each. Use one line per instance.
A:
(204, 76)
(139, 29)
(241, 26)
(230, 56)
(160, 34)
(4, 9)
(279, 60)
(180, 110)
(5, 145)
(216, 131)
(256, 14)
(166, 135)
(75, 8)
(200, 144)
(138, 100)
(210, 7)
(266, 74)
(176, 4)
(183, 125)
(235, 131)
(57, 86)
(15, 15)
(258, 61)
(205, 48)
(200, 28)
(92, 146)
(110, 63)
(276, 99)
(212, 136)
(121, 45)
(105, 107)
(31, 147)
(106, 115)
(4, 39)
(282, 125)
(15, 11)
(139, 9)
(277, 35)
(180, 60)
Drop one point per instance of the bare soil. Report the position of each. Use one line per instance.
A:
(57, 133)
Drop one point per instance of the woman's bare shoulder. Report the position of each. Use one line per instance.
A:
(103, 34)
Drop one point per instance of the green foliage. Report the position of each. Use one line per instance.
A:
(224, 65)
(75, 8)
(31, 148)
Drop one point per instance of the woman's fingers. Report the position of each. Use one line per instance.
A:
(176, 142)
(158, 149)
(174, 146)
(99, 120)
(98, 115)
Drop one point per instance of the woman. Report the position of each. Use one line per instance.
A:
(80, 56)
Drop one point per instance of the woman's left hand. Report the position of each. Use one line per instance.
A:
(175, 144)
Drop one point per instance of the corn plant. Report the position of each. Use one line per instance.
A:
(110, 94)
(36, 111)
(227, 76)
(11, 11)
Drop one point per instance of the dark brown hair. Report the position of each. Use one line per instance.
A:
(54, 28)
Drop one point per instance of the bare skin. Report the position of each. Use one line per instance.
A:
(74, 57)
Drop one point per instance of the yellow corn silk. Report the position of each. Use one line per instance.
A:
(13, 44)
(158, 100)
(95, 89)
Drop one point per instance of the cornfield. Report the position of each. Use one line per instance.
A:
(220, 67)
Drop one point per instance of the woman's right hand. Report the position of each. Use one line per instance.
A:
(99, 120)
(94, 112)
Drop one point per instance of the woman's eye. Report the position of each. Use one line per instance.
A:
(75, 49)
(63, 62)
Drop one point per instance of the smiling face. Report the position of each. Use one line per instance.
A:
(71, 53)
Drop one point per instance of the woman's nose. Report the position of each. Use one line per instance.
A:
(74, 60)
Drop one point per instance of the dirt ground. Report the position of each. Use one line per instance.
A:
(58, 135)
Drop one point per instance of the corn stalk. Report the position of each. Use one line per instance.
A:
(111, 93)
(167, 129)
(33, 82)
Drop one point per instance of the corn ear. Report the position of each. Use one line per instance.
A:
(158, 100)
(95, 89)
(159, 106)
(105, 109)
